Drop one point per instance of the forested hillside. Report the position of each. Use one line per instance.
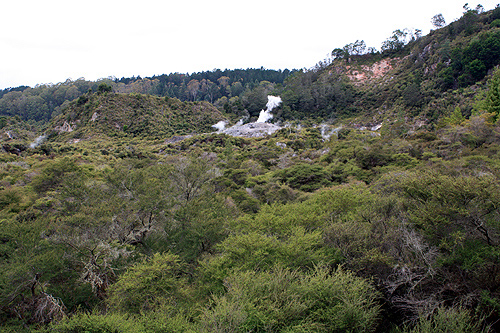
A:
(374, 206)
(43, 102)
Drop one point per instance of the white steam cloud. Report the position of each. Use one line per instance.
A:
(220, 126)
(38, 141)
(272, 103)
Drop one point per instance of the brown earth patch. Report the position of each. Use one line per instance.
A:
(361, 74)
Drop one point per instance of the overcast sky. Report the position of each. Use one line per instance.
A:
(53, 40)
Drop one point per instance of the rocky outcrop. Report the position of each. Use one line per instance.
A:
(177, 138)
(251, 130)
(65, 127)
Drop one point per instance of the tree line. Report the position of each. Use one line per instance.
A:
(42, 102)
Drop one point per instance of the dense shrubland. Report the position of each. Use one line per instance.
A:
(133, 221)
(360, 232)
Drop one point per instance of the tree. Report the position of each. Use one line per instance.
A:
(209, 89)
(338, 53)
(438, 21)
(193, 88)
(104, 88)
(492, 102)
(224, 85)
(191, 175)
(358, 47)
(255, 100)
(236, 89)
(456, 118)
(396, 41)
(400, 38)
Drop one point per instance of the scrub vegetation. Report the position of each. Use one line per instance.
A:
(375, 207)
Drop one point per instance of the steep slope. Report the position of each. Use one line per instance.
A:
(15, 135)
(132, 115)
(426, 78)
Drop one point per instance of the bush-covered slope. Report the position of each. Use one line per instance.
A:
(42, 102)
(426, 78)
(107, 226)
(359, 232)
(133, 115)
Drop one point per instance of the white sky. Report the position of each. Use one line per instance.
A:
(53, 40)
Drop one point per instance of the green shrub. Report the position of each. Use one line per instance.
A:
(110, 323)
(304, 177)
(256, 251)
(272, 192)
(149, 284)
(447, 320)
(245, 201)
(285, 300)
(10, 198)
(495, 23)
(165, 319)
(53, 174)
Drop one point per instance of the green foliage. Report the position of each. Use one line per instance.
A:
(495, 23)
(447, 320)
(471, 63)
(323, 95)
(154, 282)
(166, 320)
(54, 174)
(245, 201)
(304, 177)
(94, 322)
(41, 102)
(196, 227)
(255, 100)
(10, 199)
(456, 118)
(492, 101)
(44, 101)
(271, 192)
(444, 204)
(134, 115)
(397, 41)
(337, 204)
(103, 88)
(287, 300)
(256, 251)
(217, 233)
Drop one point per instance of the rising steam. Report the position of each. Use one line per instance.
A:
(38, 141)
(272, 102)
(220, 126)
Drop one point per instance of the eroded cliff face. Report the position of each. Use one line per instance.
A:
(364, 74)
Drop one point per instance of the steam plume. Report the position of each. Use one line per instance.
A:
(220, 126)
(38, 141)
(272, 102)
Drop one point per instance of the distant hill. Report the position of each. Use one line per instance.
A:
(412, 76)
(132, 115)
(43, 102)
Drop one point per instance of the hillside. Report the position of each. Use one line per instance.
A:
(132, 115)
(372, 206)
(42, 102)
(425, 77)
